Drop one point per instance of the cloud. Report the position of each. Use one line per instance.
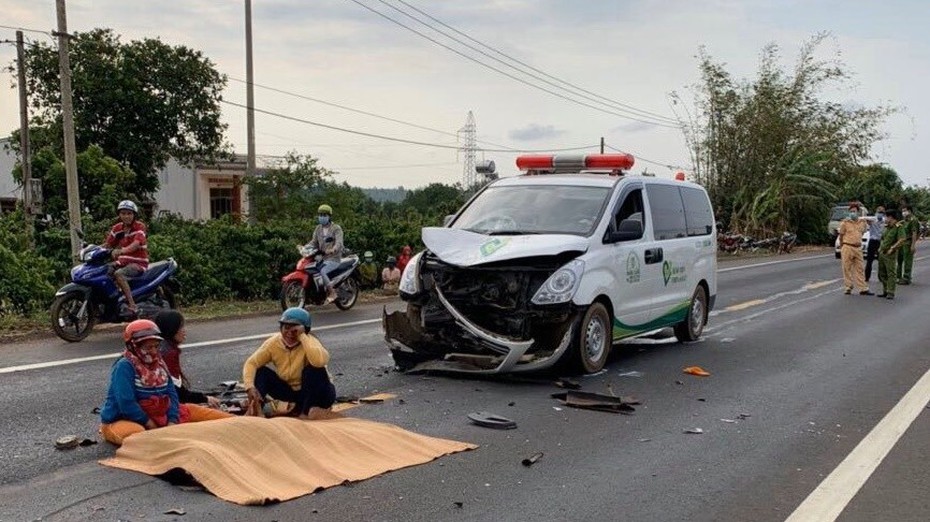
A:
(535, 131)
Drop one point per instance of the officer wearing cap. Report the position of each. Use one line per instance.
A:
(299, 376)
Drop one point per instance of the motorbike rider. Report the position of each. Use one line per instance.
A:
(127, 239)
(368, 270)
(327, 239)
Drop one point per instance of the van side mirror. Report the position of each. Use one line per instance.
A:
(448, 219)
(628, 230)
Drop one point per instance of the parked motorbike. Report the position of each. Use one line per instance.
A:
(92, 297)
(304, 286)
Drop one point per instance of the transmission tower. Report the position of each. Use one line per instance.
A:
(468, 140)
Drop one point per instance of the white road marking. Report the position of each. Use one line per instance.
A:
(770, 263)
(64, 362)
(831, 497)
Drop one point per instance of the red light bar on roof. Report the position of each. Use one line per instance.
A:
(574, 162)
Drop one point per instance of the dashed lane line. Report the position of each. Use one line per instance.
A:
(64, 362)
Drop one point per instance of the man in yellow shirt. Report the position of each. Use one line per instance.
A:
(299, 375)
(850, 238)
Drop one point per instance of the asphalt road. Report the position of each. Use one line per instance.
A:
(812, 371)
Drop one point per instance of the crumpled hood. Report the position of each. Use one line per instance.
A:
(464, 248)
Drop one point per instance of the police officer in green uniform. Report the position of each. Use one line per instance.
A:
(906, 254)
(892, 240)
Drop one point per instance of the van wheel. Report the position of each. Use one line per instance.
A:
(595, 337)
(691, 328)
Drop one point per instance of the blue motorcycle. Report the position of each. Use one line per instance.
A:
(92, 297)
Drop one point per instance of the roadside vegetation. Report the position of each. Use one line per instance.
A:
(774, 152)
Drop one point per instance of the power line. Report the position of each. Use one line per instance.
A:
(390, 138)
(26, 30)
(583, 93)
(511, 76)
(647, 160)
(358, 111)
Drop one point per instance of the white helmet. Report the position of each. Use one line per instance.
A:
(128, 205)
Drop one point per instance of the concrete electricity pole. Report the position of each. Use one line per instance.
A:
(249, 92)
(67, 115)
(24, 136)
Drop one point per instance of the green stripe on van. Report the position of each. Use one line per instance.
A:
(674, 316)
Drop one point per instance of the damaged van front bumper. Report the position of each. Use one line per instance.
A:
(489, 328)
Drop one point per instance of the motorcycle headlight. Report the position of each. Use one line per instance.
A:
(87, 253)
(410, 279)
(561, 286)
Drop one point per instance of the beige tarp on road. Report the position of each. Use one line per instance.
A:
(249, 460)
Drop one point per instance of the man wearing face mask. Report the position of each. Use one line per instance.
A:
(327, 238)
(876, 227)
(850, 237)
(892, 239)
(906, 255)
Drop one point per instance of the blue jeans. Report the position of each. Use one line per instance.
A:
(328, 266)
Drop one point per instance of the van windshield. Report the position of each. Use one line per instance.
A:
(839, 213)
(534, 209)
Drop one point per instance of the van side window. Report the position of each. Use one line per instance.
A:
(632, 208)
(667, 210)
(698, 215)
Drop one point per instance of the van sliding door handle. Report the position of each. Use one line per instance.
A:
(653, 255)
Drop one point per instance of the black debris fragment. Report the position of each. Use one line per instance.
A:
(533, 459)
(491, 420)
(597, 401)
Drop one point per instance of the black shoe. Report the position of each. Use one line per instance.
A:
(889, 296)
(903, 282)
(883, 294)
(847, 291)
(866, 292)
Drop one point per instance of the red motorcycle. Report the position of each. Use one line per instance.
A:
(304, 286)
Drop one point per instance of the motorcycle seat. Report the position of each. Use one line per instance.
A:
(154, 270)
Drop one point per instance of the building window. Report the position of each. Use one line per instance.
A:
(7, 205)
(221, 202)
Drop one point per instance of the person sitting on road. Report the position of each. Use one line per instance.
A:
(141, 395)
(129, 249)
(368, 271)
(299, 375)
(327, 239)
(390, 277)
(171, 324)
(404, 258)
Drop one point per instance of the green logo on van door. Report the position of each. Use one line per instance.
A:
(673, 273)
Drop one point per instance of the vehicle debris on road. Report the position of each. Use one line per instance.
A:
(694, 431)
(492, 420)
(696, 370)
(72, 441)
(597, 401)
(533, 459)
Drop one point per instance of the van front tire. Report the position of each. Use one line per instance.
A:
(595, 337)
(693, 326)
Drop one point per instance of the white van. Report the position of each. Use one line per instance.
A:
(555, 266)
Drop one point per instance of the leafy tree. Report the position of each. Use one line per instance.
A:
(773, 152)
(142, 102)
(102, 181)
(873, 185)
(288, 192)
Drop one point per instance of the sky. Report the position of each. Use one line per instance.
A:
(634, 53)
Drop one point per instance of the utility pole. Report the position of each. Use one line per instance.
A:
(602, 144)
(24, 137)
(67, 117)
(249, 93)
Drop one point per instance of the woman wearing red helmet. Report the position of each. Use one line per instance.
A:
(141, 395)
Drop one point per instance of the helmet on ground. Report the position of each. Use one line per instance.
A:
(140, 330)
(391, 260)
(127, 205)
(324, 209)
(296, 316)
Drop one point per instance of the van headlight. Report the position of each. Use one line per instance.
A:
(410, 279)
(561, 286)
